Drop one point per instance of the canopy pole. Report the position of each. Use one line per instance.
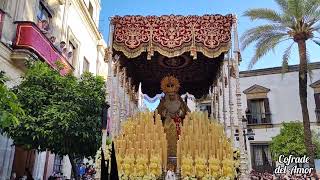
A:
(230, 99)
(243, 152)
(224, 111)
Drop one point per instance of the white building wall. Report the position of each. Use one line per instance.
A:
(284, 102)
(283, 96)
(70, 19)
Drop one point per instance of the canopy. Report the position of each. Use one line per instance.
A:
(189, 47)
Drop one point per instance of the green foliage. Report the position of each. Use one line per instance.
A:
(290, 141)
(295, 18)
(62, 112)
(10, 109)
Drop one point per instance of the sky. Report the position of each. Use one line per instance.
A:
(200, 7)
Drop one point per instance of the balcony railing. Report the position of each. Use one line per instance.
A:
(258, 118)
(318, 115)
(29, 36)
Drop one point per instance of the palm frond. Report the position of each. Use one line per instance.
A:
(314, 16)
(295, 8)
(263, 14)
(263, 46)
(311, 11)
(317, 42)
(283, 4)
(262, 31)
(285, 59)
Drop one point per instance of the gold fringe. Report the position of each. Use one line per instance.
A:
(210, 53)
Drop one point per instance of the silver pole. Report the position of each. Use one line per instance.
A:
(243, 152)
(230, 100)
(224, 116)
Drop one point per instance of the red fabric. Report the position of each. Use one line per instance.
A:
(30, 37)
(171, 33)
(177, 120)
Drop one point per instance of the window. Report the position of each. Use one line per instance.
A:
(57, 165)
(86, 65)
(43, 13)
(258, 111)
(43, 17)
(72, 51)
(317, 101)
(90, 9)
(261, 158)
(316, 88)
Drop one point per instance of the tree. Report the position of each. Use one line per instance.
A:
(297, 21)
(289, 142)
(62, 113)
(10, 108)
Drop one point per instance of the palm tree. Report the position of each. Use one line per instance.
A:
(297, 21)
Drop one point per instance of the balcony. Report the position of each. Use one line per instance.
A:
(259, 118)
(30, 37)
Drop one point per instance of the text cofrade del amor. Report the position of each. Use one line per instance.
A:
(286, 161)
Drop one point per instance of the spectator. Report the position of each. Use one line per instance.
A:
(13, 176)
(52, 39)
(62, 46)
(44, 26)
(69, 56)
(91, 171)
(82, 170)
(64, 52)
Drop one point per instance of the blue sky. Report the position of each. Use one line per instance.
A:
(200, 7)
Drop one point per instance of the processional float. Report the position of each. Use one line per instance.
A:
(171, 55)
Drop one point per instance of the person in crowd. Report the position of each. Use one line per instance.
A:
(64, 52)
(61, 46)
(91, 171)
(69, 55)
(52, 39)
(44, 26)
(87, 167)
(13, 176)
(82, 170)
(170, 173)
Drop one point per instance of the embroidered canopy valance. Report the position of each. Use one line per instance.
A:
(172, 35)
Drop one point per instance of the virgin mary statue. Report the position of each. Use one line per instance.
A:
(172, 110)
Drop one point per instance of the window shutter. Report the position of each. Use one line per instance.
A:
(267, 110)
(266, 105)
(317, 100)
(249, 105)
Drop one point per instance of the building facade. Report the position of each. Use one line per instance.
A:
(46, 30)
(268, 98)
